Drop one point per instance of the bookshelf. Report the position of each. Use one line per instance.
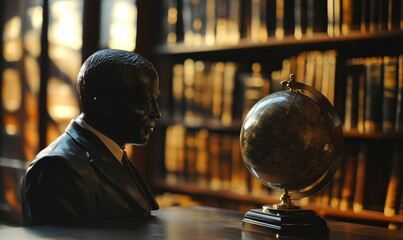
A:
(194, 148)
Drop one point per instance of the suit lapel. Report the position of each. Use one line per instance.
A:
(101, 158)
(143, 185)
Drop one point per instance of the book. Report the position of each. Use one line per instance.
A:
(258, 29)
(330, 18)
(301, 67)
(364, 20)
(254, 86)
(336, 188)
(225, 161)
(210, 32)
(318, 70)
(198, 90)
(310, 62)
(401, 16)
(217, 74)
(189, 74)
(230, 69)
(221, 21)
(214, 161)
(239, 172)
(288, 17)
(332, 55)
(379, 166)
(383, 16)
(399, 107)
(337, 8)
(198, 22)
(202, 158)
(373, 95)
(389, 93)
(187, 20)
(316, 17)
(347, 16)
(280, 19)
(374, 13)
(351, 109)
(395, 12)
(395, 184)
(325, 75)
(178, 90)
(361, 96)
(190, 157)
(174, 154)
(208, 85)
(350, 169)
(170, 21)
(233, 22)
(361, 170)
(300, 16)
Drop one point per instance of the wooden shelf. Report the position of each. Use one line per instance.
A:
(236, 125)
(372, 136)
(318, 41)
(271, 55)
(193, 190)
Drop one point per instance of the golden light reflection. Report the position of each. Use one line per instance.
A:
(32, 43)
(62, 101)
(12, 43)
(11, 90)
(31, 137)
(11, 125)
(32, 73)
(123, 30)
(52, 133)
(65, 28)
(67, 61)
(35, 15)
(12, 28)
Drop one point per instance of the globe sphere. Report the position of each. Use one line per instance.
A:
(292, 140)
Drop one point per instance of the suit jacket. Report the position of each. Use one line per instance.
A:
(77, 179)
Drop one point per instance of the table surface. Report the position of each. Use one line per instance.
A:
(187, 223)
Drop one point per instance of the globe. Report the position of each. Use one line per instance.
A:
(292, 140)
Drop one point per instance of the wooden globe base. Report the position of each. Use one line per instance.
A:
(285, 219)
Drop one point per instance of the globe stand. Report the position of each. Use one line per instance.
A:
(285, 218)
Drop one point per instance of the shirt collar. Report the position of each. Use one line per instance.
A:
(113, 147)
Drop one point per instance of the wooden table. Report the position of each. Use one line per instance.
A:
(186, 223)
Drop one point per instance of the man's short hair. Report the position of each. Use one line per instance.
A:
(109, 72)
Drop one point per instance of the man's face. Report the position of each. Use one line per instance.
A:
(136, 115)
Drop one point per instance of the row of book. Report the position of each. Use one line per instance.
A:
(374, 94)
(365, 180)
(210, 22)
(226, 91)
(217, 91)
(313, 68)
(207, 159)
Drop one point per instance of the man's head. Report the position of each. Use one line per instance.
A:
(118, 91)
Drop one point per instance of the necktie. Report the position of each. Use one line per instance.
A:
(137, 182)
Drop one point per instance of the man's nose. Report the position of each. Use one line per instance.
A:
(156, 112)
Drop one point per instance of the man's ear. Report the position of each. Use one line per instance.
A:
(102, 105)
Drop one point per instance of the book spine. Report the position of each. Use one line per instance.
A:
(170, 21)
(189, 74)
(229, 84)
(399, 107)
(373, 96)
(389, 94)
(359, 192)
(350, 170)
(395, 184)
